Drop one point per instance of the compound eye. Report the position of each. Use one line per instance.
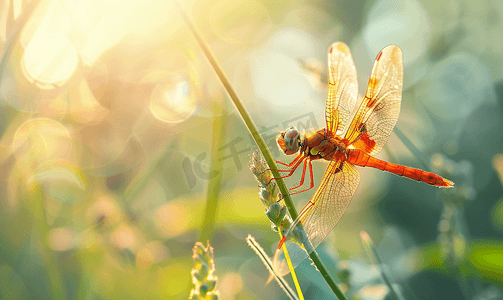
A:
(292, 140)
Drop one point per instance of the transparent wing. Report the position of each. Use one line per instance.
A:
(342, 88)
(320, 215)
(378, 113)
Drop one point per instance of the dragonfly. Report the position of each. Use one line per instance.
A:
(344, 147)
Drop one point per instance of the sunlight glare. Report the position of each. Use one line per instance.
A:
(49, 60)
(94, 26)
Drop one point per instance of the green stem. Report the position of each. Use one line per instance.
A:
(269, 265)
(55, 280)
(214, 183)
(242, 112)
(324, 272)
(259, 140)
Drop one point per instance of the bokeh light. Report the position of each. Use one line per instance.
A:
(49, 60)
(462, 83)
(404, 23)
(153, 253)
(104, 211)
(61, 239)
(174, 101)
(123, 237)
(172, 219)
(378, 292)
(230, 284)
(40, 140)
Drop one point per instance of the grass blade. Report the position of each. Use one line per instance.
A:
(214, 183)
(39, 213)
(268, 263)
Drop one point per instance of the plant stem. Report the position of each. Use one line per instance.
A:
(292, 270)
(250, 125)
(214, 183)
(259, 140)
(269, 265)
(55, 279)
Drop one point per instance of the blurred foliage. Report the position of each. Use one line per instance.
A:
(113, 126)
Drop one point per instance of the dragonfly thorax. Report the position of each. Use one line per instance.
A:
(322, 145)
(290, 141)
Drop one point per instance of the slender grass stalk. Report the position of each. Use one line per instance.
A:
(268, 264)
(374, 257)
(214, 183)
(292, 271)
(57, 287)
(250, 125)
(259, 140)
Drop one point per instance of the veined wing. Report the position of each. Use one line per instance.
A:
(378, 113)
(342, 88)
(320, 215)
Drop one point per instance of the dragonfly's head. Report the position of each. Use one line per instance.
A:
(289, 141)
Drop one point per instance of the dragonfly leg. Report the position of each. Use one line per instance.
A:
(302, 180)
(300, 156)
(295, 161)
(282, 163)
(298, 160)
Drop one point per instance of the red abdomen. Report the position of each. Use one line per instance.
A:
(359, 158)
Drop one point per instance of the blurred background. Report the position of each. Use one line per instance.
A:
(120, 149)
